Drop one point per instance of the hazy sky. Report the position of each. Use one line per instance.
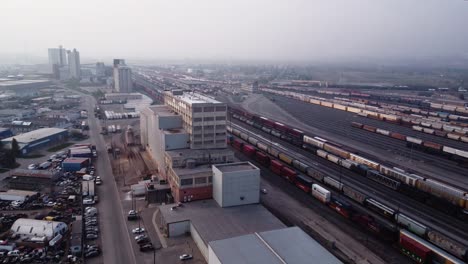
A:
(237, 29)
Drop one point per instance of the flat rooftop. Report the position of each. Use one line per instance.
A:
(161, 110)
(21, 82)
(33, 173)
(239, 166)
(196, 98)
(214, 223)
(175, 131)
(181, 172)
(272, 247)
(197, 152)
(36, 134)
(18, 192)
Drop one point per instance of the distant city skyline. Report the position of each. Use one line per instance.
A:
(297, 30)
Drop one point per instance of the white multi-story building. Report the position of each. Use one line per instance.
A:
(203, 118)
(57, 56)
(122, 77)
(74, 64)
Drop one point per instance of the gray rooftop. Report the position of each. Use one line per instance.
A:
(239, 166)
(35, 135)
(197, 152)
(21, 82)
(162, 110)
(214, 223)
(263, 246)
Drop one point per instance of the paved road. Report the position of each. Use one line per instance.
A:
(116, 243)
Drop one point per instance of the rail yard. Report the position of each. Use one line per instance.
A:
(404, 182)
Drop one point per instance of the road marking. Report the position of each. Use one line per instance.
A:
(162, 239)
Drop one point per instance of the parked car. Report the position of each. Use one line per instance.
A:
(88, 201)
(146, 247)
(138, 230)
(185, 257)
(91, 236)
(132, 215)
(32, 166)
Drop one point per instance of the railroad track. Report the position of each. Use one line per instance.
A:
(340, 123)
(417, 210)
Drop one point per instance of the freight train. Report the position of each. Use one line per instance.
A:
(442, 196)
(285, 166)
(460, 156)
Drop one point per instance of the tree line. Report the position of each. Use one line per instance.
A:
(8, 156)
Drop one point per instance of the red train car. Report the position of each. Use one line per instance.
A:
(276, 166)
(289, 173)
(304, 183)
(249, 150)
(262, 158)
(237, 144)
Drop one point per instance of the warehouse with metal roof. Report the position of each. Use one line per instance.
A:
(28, 228)
(36, 139)
(287, 245)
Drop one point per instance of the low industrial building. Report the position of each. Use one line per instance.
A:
(123, 96)
(191, 183)
(75, 164)
(29, 228)
(23, 179)
(17, 195)
(24, 87)
(236, 184)
(158, 193)
(34, 140)
(207, 222)
(287, 245)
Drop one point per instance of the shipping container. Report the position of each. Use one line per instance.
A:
(369, 128)
(340, 107)
(335, 150)
(354, 195)
(432, 145)
(321, 193)
(397, 136)
(304, 183)
(362, 160)
(314, 142)
(333, 158)
(322, 153)
(312, 172)
(414, 140)
(380, 208)
(333, 183)
(300, 166)
(448, 193)
(447, 244)
(410, 224)
(326, 104)
(453, 136)
(412, 248)
(382, 132)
